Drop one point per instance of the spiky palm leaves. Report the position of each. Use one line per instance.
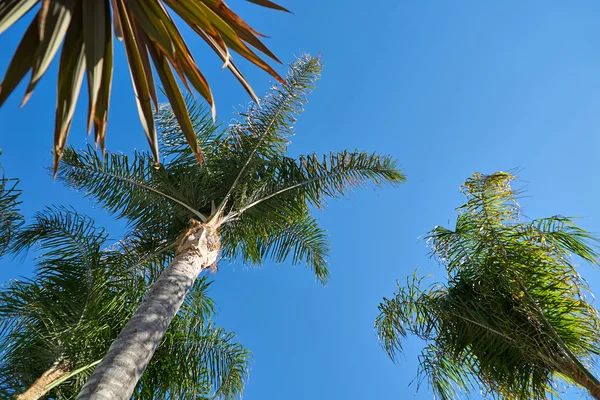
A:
(513, 316)
(151, 39)
(81, 297)
(261, 196)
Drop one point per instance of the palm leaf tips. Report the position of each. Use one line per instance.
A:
(146, 28)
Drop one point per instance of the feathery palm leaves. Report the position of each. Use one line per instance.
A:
(81, 297)
(151, 38)
(513, 316)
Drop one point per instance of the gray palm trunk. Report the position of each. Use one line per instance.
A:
(54, 373)
(128, 356)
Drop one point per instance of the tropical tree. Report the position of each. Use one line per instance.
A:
(10, 215)
(151, 39)
(56, 327)
(513, 317)
(248, 200)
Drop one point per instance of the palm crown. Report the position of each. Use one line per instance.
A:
(151, 38)
(260, 197)
(83, 294)
(513, 315)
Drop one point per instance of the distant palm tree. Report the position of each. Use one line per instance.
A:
(513, 316)
(247, 200)
(10, 216)
(58, 325)
(151, 38)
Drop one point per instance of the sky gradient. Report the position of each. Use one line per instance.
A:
(447, 87)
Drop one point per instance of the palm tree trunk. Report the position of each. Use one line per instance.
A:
(118, 373)
(582, 378)
(38, 389)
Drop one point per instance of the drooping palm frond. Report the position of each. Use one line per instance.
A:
(261, 197)
(83, 294)
(255, 239)
(513, 316)
(151, 38)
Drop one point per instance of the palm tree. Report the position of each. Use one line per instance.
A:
(56, 327)
(247, 200)
(513, 316)
(10, 216)
(151, 38)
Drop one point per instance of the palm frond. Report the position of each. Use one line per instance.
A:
(265, 128)
(85, 31)
(114, 181)
(316, 179)
(173, 146)
(254, 238)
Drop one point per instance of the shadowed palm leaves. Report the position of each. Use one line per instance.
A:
(58, 326)
(513, 316)
(247, 199)
(151, 39)
(10, 217)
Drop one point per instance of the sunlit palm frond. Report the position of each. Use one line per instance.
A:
(151, 39)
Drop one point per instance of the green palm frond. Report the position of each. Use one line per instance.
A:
(265, 129)
(255, 238)
(261, 197)
(151, 38)
(514, 315)
(315, 178)
(174, 146)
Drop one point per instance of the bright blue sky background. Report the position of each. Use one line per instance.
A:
(447, 87)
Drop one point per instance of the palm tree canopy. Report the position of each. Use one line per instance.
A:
(151, 39)
(261, 197)
(83, 294)
(514, 308)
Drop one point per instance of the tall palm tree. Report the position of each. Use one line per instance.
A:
(513, 316)
(57, 326)
(247, 200)
(151, 39)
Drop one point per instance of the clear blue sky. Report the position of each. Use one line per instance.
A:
(447, 87)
